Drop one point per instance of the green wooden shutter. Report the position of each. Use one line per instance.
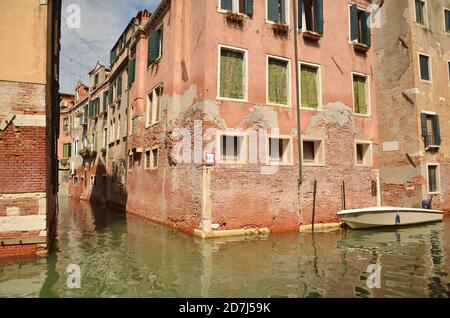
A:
(318, 16)
(131, 72)
(282, 12)
(248, 7)
(436, 130)
(105, 100)
(354, 23)
(309, 87)
(278, 92)
(119, 86)
(300, 14)
(154, 47)
(232, 74)
(273, 10)
(90, 109)
(366, 34)
(424, 129)
(110, 95)
(226, 5)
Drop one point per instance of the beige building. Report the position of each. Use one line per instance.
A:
(413, 93)
(29, 124)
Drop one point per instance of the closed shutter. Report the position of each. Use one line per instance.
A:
(424, 70)
(354, 23)
(425, 129)
(300, 14)
(273, 10)
(226, 5)
(278, 91)
(366, 34)
(119, 86)
(132, 71)
(110, 95)
(318, 16)
(248, 7)
(232, 74)
(436, 130)
(154, 47)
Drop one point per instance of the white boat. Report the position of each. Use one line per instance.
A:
(388, 216)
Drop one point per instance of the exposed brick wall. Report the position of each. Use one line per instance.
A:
(26, 206)
(21, 98)
(22, 159)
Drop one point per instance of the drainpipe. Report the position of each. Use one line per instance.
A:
(297, 87)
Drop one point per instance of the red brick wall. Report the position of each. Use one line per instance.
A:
(22, 159)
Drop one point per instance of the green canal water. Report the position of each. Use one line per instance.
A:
(126, 256)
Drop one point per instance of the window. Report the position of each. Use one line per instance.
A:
(132, 71)
(361, 96)
(278, 81)
(130, 162)
(155, 45)
(233, 73)
(310, 86)
(277, 11)
(75, 181)
(93, 181)
(95, 141)
(119, 86)
(112, 132)
(237, 6)
(424, 67)
(421, 12)
(431, 130)
(105, 101)
(447, 20)
(75, 147)
(96, 80)
(434, 182)
(66, 124)
(105, 138)
(313, 152)
(153, 107)
(151, 159)
(67, 150)
(363, 152)
(113, 171)
(360, 26)
(280, 150)
(232, 148)
(448, 70)
(118, 128)
(311, 15)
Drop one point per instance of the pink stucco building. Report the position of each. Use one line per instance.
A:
(212, 139)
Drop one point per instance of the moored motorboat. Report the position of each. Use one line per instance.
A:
(388, 216)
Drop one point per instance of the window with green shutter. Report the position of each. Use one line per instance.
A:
(309, 86)
(431, 131)
(237, 6)
(360, 31)
(155, 45)
(105, 101)
(132, 71)
(232, 73)
(420, 11)
(119, 86)
(278, 81)
(276, 11)
(310, 15)
(67, 150)
(447, 20)
(360, 94)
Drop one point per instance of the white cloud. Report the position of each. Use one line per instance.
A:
(102, 22)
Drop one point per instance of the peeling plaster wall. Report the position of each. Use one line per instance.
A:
(402, 96)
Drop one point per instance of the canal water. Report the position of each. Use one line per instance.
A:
(126, 256)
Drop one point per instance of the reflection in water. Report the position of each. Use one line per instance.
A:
(126, 256)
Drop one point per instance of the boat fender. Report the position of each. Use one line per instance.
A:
(397, 219)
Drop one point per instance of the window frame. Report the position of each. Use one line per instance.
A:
(290, 155)
(159, 28)
(321, 160)
(425, 14)
(234, 3)
(349, 16)
(149, 122)
(369, 162)
(244, 147)
(319, 86)
(152, 163)
(245, 80)
(288, 79)
(287, 13)
(445, 26)
(438, 178)
(430, 68)
(368, 93)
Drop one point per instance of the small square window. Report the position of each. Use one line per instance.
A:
(232, 149)
(280, 151)
(363, 154)
(424, 65)
(313, 152)
(433, 178)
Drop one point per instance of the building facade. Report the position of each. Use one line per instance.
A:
(214, 143)
(64, 141)
(413, 92)
(29, 124)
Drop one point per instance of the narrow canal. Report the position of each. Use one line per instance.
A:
(126, 256)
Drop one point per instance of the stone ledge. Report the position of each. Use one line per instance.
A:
(23, 241)
(230, 233)
(320, 227)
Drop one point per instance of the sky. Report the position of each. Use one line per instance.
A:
(101, 24)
